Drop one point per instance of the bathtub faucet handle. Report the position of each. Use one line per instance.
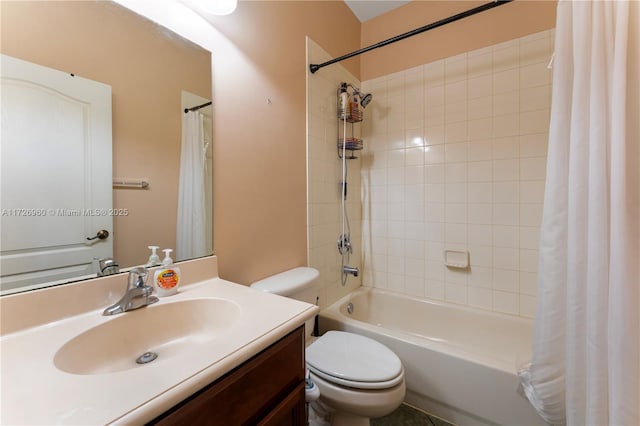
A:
(353, 270)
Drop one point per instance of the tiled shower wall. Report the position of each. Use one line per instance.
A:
(455, 158)
(324, 170)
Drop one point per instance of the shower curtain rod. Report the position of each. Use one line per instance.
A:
(315, 67)
(195, 108)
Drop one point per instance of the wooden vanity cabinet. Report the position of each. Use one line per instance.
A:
(268, 389)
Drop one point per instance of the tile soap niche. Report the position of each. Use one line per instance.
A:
(456, 259)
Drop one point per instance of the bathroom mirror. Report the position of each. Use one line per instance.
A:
(153, 75)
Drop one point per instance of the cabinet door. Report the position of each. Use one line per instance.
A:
(268, 386)
(290, 412)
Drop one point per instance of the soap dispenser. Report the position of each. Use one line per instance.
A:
(154, 259)
(167, 278)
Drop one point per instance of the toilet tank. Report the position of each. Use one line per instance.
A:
(298, 283)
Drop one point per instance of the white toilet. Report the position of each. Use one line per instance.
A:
(358, 377)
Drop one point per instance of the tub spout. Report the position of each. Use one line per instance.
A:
(350, 270)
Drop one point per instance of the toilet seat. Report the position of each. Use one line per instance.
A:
(354, 361)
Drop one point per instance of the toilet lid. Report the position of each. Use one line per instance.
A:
(354, 360)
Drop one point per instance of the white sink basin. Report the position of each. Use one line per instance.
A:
(168, 330)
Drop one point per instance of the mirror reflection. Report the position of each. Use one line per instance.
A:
(99, 158)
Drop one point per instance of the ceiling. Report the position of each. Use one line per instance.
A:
(367, 9)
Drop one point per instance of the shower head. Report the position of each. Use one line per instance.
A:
(364, 101)
(365, 98)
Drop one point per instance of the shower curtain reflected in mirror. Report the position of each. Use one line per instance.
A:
(191, 238)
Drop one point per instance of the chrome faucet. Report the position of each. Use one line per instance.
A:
(107, 266)
(353, 270)
(137, 295)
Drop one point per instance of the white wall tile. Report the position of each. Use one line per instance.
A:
(480, 192)
(480, 86)
(455, 132)
(456, 152)
(506, 125)
(506, 236)
(414, 206)
(479, 234)
(528, 283)
(434, 193)
(533, 168)
(455, 112)
(480, 171)
(456, 213)
(535, 98)
(532, 122)
(434, 154)
(434, 74)
(479, 62)
(506, 258)
(506, 302)
(506, 81)
(480, 107)
(531, 214)
(534, 145)
(457, 160)
(480, 129)
(435, 289)
(456, 92)
(455, 172)
(434, 212)
(507, 169)
(456, 192)
(481, 277)
(434, 135)
(534, 75)
(434, 173)
(528, 260)
(434, 96)
(527, 306)
(506, 147)
(506, 103)
(506, 214)
(480, 297)
(480, 150)
(455, 233)
(480, 213)
(481, 258)
(414, 137)
(532, 191)
(505, 192)
(456, 68)
(414, 286)
(414, 157)
(533, 51)
(505, 59)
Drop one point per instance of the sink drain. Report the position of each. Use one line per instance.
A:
(146, 357)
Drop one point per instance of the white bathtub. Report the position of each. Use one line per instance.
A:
(460, 362)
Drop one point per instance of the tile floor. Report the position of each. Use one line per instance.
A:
(406, 415)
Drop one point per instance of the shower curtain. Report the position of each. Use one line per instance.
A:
(585, 368)
(191, 235)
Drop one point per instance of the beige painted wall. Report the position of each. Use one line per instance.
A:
(503, 23)
(147, 68)
(260, 211)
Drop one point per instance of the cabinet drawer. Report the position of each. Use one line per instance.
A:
(251, 392)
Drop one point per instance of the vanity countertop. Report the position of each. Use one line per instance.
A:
(36, 391)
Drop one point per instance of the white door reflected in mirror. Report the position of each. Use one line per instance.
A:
(56, 174)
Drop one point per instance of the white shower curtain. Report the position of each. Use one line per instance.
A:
(191, 238)
(586, 351)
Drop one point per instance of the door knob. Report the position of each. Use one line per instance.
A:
(103, 234)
